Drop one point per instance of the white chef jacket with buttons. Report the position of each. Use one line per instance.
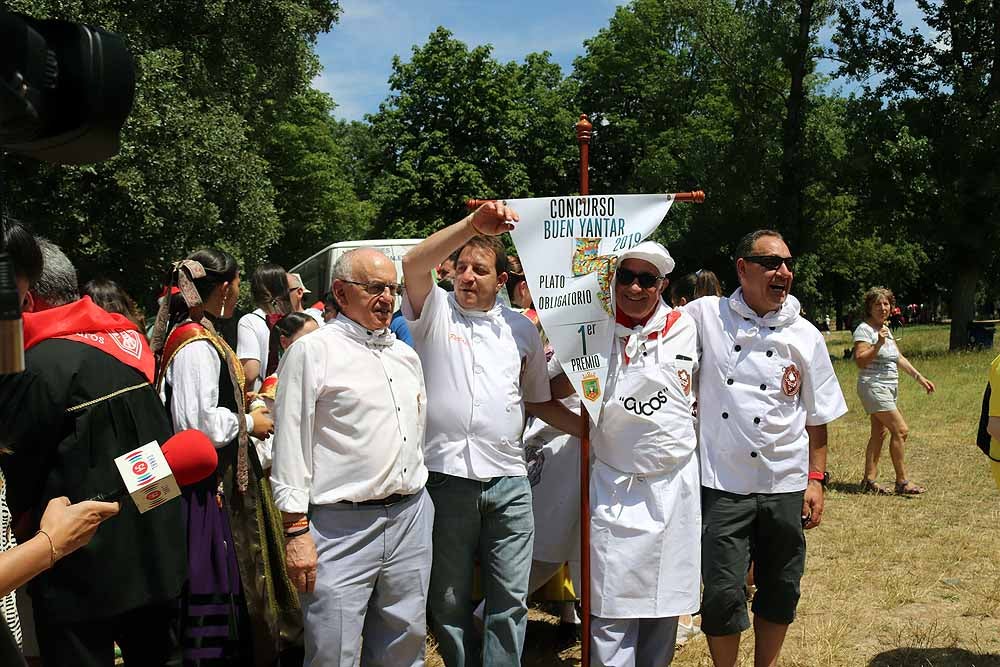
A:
(350, 413)
(645, 488)
(762, 381)
(481, 367)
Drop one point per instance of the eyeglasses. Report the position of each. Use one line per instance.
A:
(377, 288)
(771, 262)
(626, 278)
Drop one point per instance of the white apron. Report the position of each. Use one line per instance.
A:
(645, 486)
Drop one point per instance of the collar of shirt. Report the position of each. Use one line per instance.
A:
(493, 313)
(655, 325)
(788, 313)
(376, 338)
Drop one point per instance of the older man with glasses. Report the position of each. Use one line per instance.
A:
(766, 391)
(349, 477)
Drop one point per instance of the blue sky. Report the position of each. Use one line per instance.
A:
(357, 54)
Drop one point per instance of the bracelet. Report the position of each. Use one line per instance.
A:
(298, 523)
(52, 549)
(473, 225)
(816, 476)
(297, 533)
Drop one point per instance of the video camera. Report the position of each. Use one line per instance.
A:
(66, 90)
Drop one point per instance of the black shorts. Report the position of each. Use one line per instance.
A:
(765, 527)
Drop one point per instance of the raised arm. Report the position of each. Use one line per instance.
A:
(865, 353)
(490, 219)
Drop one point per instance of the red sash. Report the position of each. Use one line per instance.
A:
(85, 322)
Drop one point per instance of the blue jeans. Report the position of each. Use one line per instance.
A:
(491, 521)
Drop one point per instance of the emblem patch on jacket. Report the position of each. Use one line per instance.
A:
(685, 379)
(591, 387)
(130, 342)
(791, 380)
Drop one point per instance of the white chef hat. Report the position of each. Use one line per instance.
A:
(652, 252)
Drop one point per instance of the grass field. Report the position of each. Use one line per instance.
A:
(890, 581)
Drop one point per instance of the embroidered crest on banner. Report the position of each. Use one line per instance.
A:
(130, 342)
(591, 387)
(791, 380)
(685, 379)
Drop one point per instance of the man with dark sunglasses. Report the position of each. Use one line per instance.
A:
(645, 519)
(766, 391)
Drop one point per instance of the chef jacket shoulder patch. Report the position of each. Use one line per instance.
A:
(791, 380)
(685, 379)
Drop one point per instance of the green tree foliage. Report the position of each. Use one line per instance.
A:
(194, 164)
(457, 125)
(316, 195)
(939, 162)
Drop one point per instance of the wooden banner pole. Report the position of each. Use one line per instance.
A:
(583, 130)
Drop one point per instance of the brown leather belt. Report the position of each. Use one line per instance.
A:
(381, 502)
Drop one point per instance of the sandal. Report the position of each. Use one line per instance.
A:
(873, 487)
(908, 488)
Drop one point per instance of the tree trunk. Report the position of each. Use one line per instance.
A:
(963, 303)
(792, 187)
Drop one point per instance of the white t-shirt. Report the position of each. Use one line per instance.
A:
(480, 368)
(761, 381)
(883, 366)
(252, 340)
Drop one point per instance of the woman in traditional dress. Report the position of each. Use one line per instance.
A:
(240, 607)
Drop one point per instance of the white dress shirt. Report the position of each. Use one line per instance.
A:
(351, 408)
(481, 367)
(194, 402)
(762, 381)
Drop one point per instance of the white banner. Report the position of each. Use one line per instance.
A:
(569, 248)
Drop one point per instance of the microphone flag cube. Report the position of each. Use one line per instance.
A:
(147, 477)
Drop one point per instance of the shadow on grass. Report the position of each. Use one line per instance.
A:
(854, 489)
(933, 657)
(545, 647)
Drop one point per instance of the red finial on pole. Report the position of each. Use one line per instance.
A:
(584, 129)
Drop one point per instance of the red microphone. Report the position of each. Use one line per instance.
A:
(190, 455)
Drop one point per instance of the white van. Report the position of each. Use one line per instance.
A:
(317, 271)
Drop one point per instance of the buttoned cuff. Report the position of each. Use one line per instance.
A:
(290, 499)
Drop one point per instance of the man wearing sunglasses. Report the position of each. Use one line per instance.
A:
(349, 452)
(644, 488)
(766, 392)
(485, 369)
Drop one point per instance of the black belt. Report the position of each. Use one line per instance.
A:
(381, 502)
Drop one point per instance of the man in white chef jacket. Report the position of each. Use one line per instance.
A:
(485, 370)
(766, 391)
(349, 477)
(644, 489)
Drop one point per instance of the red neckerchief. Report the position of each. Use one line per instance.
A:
(626, 321)
(85, 322)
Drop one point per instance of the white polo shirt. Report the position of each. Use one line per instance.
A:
(350, 410)
(480, 369)
(761, 381)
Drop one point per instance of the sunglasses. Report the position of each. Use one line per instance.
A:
(771, 262)
(377, 288)
(626, 278)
